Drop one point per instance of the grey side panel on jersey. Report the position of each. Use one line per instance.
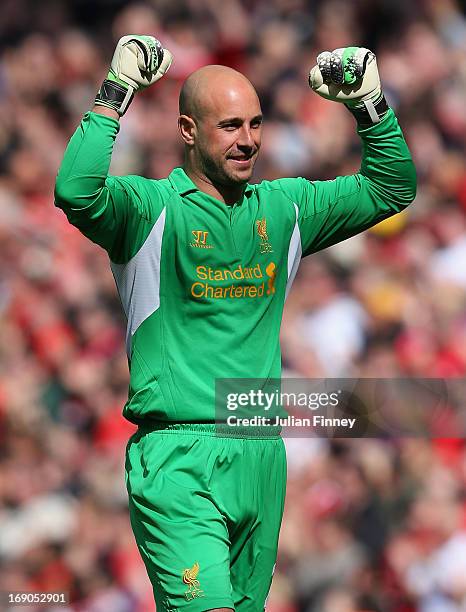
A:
(294, 254)
(138, 281)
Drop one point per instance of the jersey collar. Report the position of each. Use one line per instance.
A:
(184, 185)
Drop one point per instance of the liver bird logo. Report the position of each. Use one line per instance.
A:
(261, 227)
(190, 578)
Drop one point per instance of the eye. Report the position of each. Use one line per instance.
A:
(230, 125)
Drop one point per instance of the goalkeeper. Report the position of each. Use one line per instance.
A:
(203, 261)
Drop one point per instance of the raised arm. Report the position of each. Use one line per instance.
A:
(331, 211)
(103, 207)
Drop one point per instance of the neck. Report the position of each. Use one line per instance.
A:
(227, 194)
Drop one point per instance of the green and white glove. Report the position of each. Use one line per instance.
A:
(138, 61)
(350, 76)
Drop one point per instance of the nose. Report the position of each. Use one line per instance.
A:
(245, 138)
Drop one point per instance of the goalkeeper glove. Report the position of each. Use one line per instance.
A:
(138, 61)
(350, 76)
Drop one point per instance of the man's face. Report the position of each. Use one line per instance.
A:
(228, 135)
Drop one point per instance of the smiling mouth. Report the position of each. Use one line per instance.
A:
(244, 159)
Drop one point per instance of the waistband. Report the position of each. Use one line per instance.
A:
(219, 430)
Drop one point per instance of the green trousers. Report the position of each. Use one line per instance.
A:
(206, 513)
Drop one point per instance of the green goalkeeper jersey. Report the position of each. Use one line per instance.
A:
(203, 283)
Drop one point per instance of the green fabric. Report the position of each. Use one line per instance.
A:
(223, 269)
(217, 502)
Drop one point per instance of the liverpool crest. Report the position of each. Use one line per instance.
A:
(261, 226)
(194, 586)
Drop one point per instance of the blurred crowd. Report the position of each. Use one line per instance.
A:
(370, 525)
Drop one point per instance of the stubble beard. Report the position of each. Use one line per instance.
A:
(218, 173)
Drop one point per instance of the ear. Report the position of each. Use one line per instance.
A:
(187, 128)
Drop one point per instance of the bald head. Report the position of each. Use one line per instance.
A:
(212, 86)
(220, 123)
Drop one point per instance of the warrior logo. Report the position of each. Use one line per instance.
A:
(200, 240)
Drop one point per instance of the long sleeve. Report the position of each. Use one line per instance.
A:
(111, 211)
(331, 211)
